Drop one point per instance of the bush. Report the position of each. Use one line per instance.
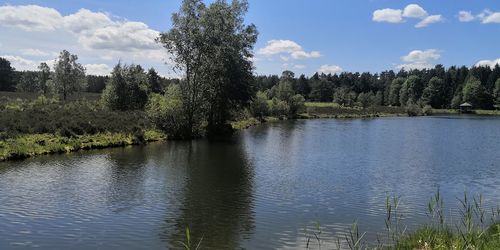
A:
(427, 110)
(412, 109)
(46, 115)
(166, 112)
(296, 104)
(279, 108)
(259, 106)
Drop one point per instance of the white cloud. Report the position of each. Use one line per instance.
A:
(123, 37)
(429, 20)
(287, 49)
(410, 11)
(96, 37)
(488, 16)
(415, 11)
(465, 16)
(22, 64)
(30, 17)
(418, 59)
(299, 66)
(388, 15)
(421, 56)
(34, 52)
(330, 69)
(490, 63)
(98, 69)
(85, 20)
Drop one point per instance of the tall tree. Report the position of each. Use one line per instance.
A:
(6, 75)
(475, 93)
(69, 75)
(496, 92)
(228, 69)
(434, 93)
(394, 90)
(126, 89)
(185, 42)
(43, 77)
(28, 82)
(212, 46)
(154, 81)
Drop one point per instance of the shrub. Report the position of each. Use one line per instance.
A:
(279, 108)
(427, 110)
(296, 104)
(412, 109)
(166, 112)
(259, 106)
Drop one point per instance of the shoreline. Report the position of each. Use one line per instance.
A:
(31, 145)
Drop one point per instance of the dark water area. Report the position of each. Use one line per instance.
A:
(259, 190)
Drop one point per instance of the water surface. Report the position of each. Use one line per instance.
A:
(259, 190)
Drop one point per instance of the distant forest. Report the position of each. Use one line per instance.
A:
(438, 87)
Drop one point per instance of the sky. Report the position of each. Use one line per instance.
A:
(304, 36)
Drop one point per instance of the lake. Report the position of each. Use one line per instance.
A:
(258, 190)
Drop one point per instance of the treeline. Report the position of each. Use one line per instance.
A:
(42, 80)
(438, 87)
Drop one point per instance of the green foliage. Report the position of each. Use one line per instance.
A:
(47, 115)
(279, 108)
(167, 112)
(344, 97)
(28, 82)
(69, 75)
(25, 146)
(154, 81)
(366, 99)
(212, 46)
(412, 109)
(394, 91)
(475, 93)
(427, 110)
(434, 92)
(296, 104)
(496, 92)
(126, 88)
(43, 78)
(457, 100)
(259, 106)
(6, 75)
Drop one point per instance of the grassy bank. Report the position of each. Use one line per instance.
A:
(333, 110)
(477, 112)
(25, 146)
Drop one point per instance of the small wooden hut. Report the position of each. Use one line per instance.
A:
(466, 108)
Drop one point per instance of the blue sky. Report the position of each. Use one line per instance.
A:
(303, 36)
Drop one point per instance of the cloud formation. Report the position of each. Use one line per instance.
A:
(419, 59)
(30, 17)
(330, 69)
(465, 16)
(388, 15)
(490, 63)
(486, 17)
(287, 49)
(429, 20)
(415, 11)
(410, 11)
(92, 35)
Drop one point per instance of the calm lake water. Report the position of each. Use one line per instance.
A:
(259, 190)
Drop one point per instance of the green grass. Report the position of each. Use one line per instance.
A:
(5, 96)
(333, 110)
(25, 146)
(321, 104)
(477, 112)
(430, 237)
